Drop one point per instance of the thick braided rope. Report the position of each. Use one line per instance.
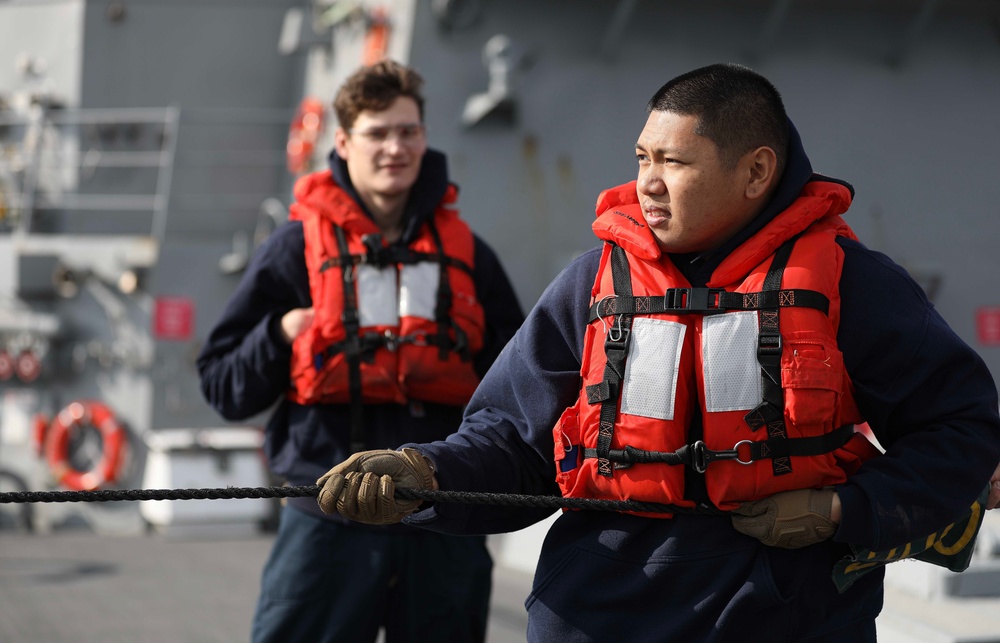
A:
(110, 495)
(461, 497)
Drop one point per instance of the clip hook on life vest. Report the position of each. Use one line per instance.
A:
(696, 455)
(604, 324)
(702, 456)
(617, 332)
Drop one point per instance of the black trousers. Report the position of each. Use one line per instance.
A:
(326, 581)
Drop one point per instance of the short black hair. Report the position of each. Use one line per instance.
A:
(737, 109)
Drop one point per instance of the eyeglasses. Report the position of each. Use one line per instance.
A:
(406, 133)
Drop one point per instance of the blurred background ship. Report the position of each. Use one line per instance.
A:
(147, 147)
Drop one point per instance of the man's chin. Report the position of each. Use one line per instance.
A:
(675, 247)
(394, 191)
(395, 186)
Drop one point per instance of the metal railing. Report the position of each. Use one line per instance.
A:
(46, 154)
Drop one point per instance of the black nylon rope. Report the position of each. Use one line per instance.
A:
(463, 497)
(111, 495)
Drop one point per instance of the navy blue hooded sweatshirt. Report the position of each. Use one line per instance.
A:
(928, 397)
(244, 364)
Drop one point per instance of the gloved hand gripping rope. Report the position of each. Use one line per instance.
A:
(383, 487)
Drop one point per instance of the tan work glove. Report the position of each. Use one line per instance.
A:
(790, 519)
(363, 486)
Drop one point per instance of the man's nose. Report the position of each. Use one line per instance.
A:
(650, 183)
(393, 143)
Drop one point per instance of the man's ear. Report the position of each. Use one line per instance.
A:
(762, 172)
(340, 142)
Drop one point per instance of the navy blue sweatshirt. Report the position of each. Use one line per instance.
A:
(928, 397)
(244, 364)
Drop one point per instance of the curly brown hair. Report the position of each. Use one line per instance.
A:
(375, 88)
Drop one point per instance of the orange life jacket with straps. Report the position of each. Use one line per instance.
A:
(392, 323)
(754, 353)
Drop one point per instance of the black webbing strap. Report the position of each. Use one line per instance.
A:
(391, 255)
(709, 301)
(771, 410)
(698, 456)
(616, 344)
(366, 344)
(442, 307)
(378, 255)
(352, 344)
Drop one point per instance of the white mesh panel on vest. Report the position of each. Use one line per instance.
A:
(418, 289)
(654, 354)
(729, 353)
(377, 304)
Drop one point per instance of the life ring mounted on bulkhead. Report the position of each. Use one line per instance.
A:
(68, 424)
(303, 134)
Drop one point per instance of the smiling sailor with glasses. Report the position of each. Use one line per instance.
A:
(370, 317)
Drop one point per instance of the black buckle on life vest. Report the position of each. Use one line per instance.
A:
(350, 317)
(375, 253)
(702, 456)
(769, 344)
(693, 300)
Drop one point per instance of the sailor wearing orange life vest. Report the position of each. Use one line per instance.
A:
(368, 318)
(391, 323)
(699, 351)
(417, 316)
(754, 329)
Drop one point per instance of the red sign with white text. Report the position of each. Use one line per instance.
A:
(988, 325)
(173, 318)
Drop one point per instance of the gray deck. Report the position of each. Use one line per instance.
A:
(87, 588)
(82, 587)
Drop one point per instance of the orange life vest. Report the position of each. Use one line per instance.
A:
(755, 353)
(391, 324)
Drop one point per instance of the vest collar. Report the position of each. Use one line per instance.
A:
(819, 199)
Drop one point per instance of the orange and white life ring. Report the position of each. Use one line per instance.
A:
(72, 419)
(303, 134)
(6, 366)
(28, 366)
